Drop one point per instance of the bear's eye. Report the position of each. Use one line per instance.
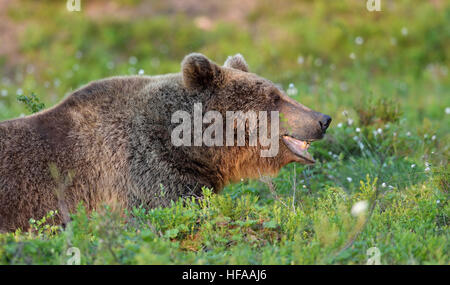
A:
(276, 98)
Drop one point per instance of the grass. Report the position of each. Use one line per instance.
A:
(388, 144)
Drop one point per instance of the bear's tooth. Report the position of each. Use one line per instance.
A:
(303, 144)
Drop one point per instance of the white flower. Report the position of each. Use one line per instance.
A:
(380, 131)
(425, 136)
(339, 125)
(350, 122)
(427, 163)
(438, 201)
(413, 165)
(349, 179)
(359, 40)
(345, 113)
(352, 56)
(360, 144)
(433, 138)
(19, 91)
(4, 93)
(404, 31)
(391, 187)
(427, 169)
(292, 91)
(358, 130)
(447, 110)
(132, 60)
(355, 138)
(300, 60)
(141, 72)
(408, 134)
(359, 208)
(383, 185)
(374, 133)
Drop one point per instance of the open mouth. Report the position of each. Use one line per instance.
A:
(299, 147)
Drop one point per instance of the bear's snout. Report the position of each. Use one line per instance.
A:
(324, 122)
(301, 122)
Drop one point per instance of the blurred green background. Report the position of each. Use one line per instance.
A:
(335, 52)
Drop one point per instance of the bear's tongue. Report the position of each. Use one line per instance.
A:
(298, 147)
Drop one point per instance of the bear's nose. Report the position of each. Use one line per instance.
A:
(324, 122)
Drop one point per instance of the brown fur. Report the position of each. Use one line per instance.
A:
(109, 142)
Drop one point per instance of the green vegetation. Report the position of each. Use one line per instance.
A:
(31, 102)
(382, 76)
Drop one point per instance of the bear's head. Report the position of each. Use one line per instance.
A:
(232, 88)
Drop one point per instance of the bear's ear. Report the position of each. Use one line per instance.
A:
(199, 72)
(236, 61)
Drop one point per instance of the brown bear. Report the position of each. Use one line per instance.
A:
(110, 142)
